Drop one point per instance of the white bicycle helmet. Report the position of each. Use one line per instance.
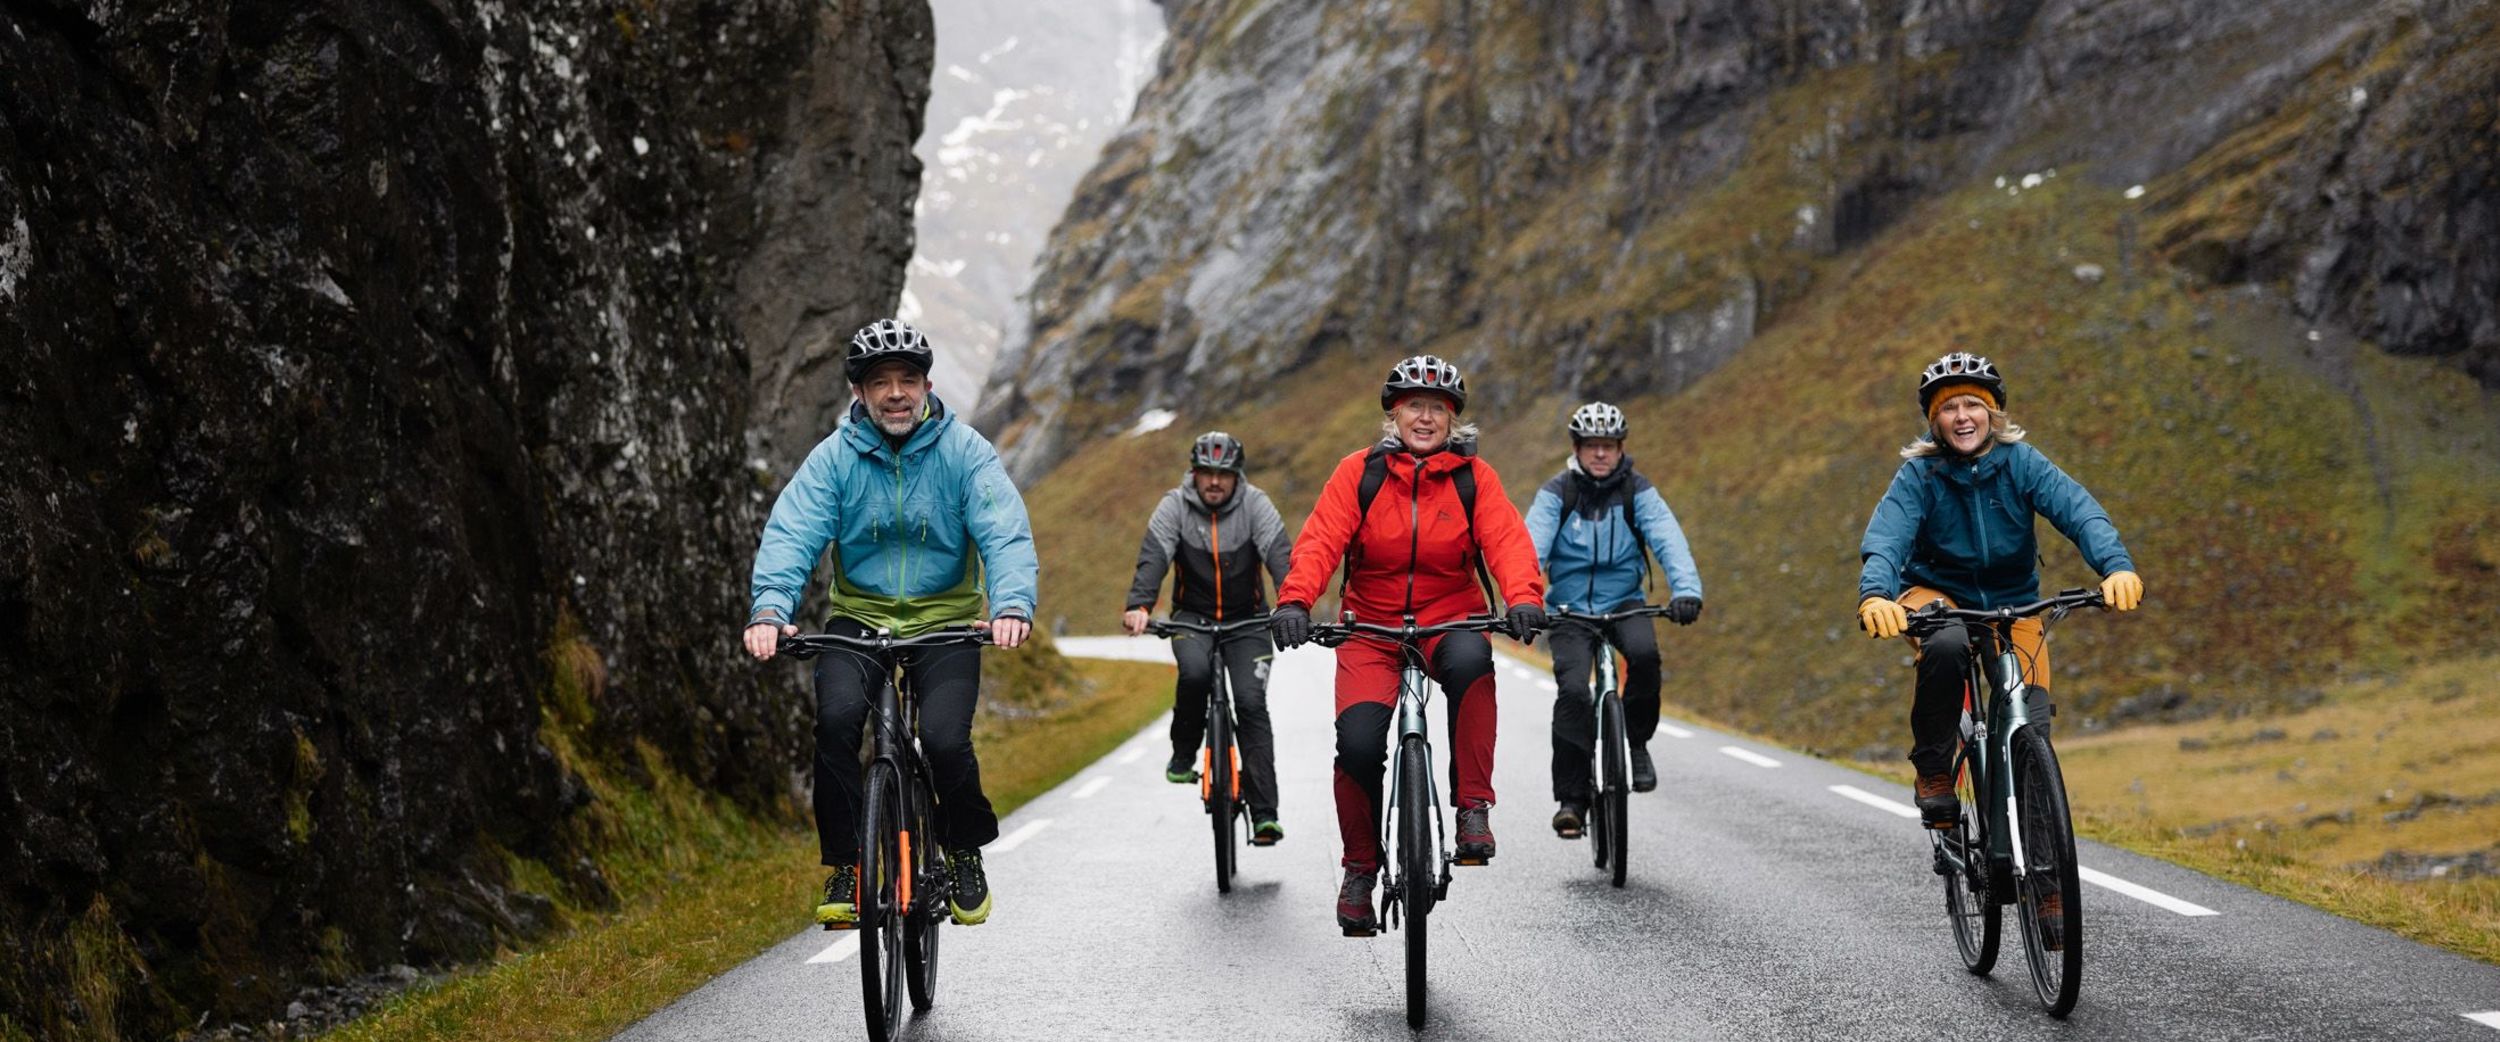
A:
(1424, 373)
(1597, 420)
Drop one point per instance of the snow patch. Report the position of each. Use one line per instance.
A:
(321, 283)
(1153, 420)
(641, 147)
(964, 74)
(2135, 191)
(17, 257)
(1003, 47)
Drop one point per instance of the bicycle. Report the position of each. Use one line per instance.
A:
(1415, 862)
(1219, 760)
(2021, 849)
(903, 883)
(1610, 754)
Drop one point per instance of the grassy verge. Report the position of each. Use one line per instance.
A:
(691, 908)
(2381, 803)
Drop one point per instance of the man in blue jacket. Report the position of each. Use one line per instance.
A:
(1595, 525)
(907, 496)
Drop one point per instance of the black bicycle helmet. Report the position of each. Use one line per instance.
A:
(1597, 420)
(1216, 450)
(1960, 367)
(886, 340)
(1424, 373)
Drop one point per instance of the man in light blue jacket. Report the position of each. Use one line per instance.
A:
(1595, 525)
(907, 496)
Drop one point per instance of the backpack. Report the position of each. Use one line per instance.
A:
(1376, 473)
(1571, 507)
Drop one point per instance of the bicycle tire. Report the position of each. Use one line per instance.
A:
(881, 902)
(1977, 919)
(1416, 865)
(1219, 788)
(925, 923)
(2048, 834)
(1614, 800)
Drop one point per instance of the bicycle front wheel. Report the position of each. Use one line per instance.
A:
(885, 880)
(1220, 780)
(1614, 797)
(1418, 864)
(2052, 905)
(1978, 921)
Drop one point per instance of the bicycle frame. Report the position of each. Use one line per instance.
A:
(1989, 739)
(1414, 695)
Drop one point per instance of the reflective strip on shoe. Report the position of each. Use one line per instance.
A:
(972, 916)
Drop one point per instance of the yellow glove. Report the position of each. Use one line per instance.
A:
(2123, 590)
(1882, 617)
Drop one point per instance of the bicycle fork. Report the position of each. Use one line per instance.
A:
(1412, 723)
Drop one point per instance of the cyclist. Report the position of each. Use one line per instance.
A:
(907, 495)
(1956, 526)
(1412, 546)
(1214, 533)
(1595, 525)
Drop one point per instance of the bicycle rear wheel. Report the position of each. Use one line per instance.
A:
(1614, 794)
(920, 936)
(1417, 864)
(883, 883)
(1978, 921)
(1221, 793)
(2052, 906)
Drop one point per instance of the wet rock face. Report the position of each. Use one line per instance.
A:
(1571, 196)
(359, 363)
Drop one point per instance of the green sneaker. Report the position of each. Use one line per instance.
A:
(1267, 834)
(969, 894)
(1181, 771)
(838, 907)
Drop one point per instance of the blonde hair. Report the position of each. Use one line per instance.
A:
(2001, 431)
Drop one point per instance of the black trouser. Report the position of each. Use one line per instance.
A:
(1574, 646)
(1936, 710)
(947, 681)
(1246, 654)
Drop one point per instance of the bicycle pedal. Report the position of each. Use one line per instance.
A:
(1942, 826)
(1353, 932)
(1472, 862)
(1570, 833)
(841, 926)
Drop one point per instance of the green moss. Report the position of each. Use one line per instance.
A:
(307, 774)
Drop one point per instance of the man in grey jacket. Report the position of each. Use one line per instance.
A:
(1213, 534)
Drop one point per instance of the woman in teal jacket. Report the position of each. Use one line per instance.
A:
(1956, 526)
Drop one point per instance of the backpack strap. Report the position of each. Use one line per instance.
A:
(1375, 474)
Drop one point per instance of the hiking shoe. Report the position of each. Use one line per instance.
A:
(1354, 904)
(1475, 834)
(838, 907)
(1267, 834)
(1938, 807)
(1644, 773)
(2053, 922)
(1571, 820)
(968, 890)
(1182, 770)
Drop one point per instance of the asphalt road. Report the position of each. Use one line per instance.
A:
(1771, 896)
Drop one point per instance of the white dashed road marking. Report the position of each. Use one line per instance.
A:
(842, 949)
(1132, 756)
(1088, 789)
(1749, 756)
(2145, 894)
(1877, 802)
(1672, 731)
(1016, 839)
(2490, 1019)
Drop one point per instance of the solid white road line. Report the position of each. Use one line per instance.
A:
(2145, 894)
(1016, 839)
(2490, 1019)
(1877, 802)
(1087, 790)
(1672, 731)
(1749, 756)
(1132, 756)
(842, 949)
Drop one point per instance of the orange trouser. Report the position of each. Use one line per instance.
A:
(1937, 705)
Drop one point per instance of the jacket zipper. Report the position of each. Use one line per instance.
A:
(1979, 531)
(1414, 531)
(902, 557)
(1215, 548)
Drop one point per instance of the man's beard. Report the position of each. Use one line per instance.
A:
(898, 427)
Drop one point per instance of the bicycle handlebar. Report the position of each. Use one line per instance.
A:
(1646, 610)
(1331, 634)
(1926, 621)
(1180, 627)
(810, 645)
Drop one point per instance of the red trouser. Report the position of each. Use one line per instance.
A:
(1367, 698)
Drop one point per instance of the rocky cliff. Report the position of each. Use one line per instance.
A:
(2227, 254)
(1582, 194)
(378, 393)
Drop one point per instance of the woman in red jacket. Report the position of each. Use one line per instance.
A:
(1414, 552)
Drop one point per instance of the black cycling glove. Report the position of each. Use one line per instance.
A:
(1525, 621)
(1684, 610)
(1290, 624)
